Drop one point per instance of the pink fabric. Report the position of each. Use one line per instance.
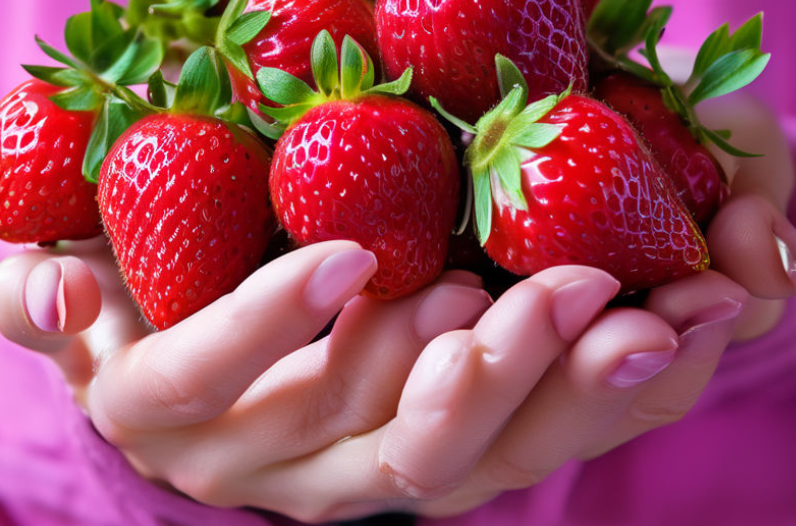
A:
(731, 461)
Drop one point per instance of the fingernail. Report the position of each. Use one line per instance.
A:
(574, 305)
(788, 262)
(642, 366)
(449, 307)
(725, 310)
(43, 293)
(338, 278)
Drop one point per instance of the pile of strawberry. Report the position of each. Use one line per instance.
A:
(571, 151)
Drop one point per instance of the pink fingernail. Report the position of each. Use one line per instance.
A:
(44, 297)
(640, 367)
(574, 305)
(338, 278)
(449, 307)
(788, 262)
(725, 310)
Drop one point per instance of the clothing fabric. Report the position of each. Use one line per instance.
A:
(731, 461)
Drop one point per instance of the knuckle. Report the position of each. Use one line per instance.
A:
(506, 474)
(417, 484)
(207, 487)
(177, 396)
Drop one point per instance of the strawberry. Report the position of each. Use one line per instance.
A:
(43, 194)
(356, 162)
(285, 36)
(452, 43)
(568, 181)
(697, 175)
(664, 111)
(184, 198)
(588, 7)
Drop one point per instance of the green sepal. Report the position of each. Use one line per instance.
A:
(78, 36)
(508, 168)
(140, 58)
(453, 119)
(617, 26)
(719, 138)
(157, 92)
(397, 87)
(286, 114)
(482, 197)
(729, 73)
(64, 77)
(352, 68)
(537, 136)
(325, 68)
(55, 54)
(247, 26)
(283, 88)
(509, 76)
(272, 130)
(204, 84)
(80, 98)
(114, 118)
(105, 24)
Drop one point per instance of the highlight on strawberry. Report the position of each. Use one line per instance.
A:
(663, 110)
(566, 180)
(355, 161)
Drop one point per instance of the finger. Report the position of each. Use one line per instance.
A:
(196, 370)
(432, 443)
(45, 301)
(346, 384)
(753, 243)
(703, 309)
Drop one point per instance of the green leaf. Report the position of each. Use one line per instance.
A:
(287, 114)
(533, 112)
(247, 26)
(719, 141)
(271, 130)
(352, 68)
(81, 98)
(506, 164)
(148, 58)
(65, 77)
(715, 46)
(456, 121)
(105, 25)
(749, 35)
(650, 50)
(78, 36)
(237, 56)
(509, 76)
(618, 25)
(370, 75)
(283, 88)
(201, 86)
(398, 86)
(235, 113)
(114, 118)
(482, 196)
(537, 135)
(729, 73)
(56, 55)
(324, 63)
(156, 90)
(111, 52)
(508, 108)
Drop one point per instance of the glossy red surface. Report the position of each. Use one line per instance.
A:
(286, 41)
(452, 45)
(597, 197)
(185, 203)
(380, 171)
(43, 194)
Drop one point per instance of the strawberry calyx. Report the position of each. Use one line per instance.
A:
(725, 62)
(172, 20)
(352, 77)
(505, 138)
(105, 58)
(237, 28)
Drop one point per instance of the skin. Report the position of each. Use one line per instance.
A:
(376, 399)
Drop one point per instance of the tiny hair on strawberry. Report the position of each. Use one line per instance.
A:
(567, 181)
(356, 161)
(184, 197)
(663, 110)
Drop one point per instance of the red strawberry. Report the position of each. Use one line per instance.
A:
(364, 166)
(285, 41)
(663, 110)
(568, 181)
(43, 194)
(700, 180)
(184, 199)
(452, 44)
